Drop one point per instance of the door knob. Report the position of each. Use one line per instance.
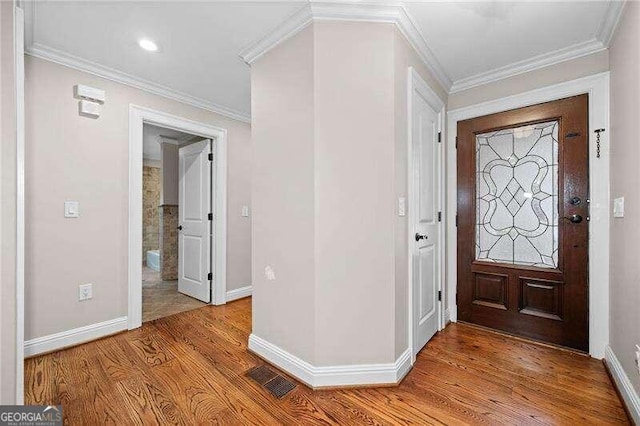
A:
(420, 237)
(180, 228)
(574, 218)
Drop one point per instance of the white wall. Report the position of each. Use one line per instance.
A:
(7, 206)
(69, 157)
(625, 182)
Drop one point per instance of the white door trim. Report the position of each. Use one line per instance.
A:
(20, 212)
(597, 86)
(137, 117)
(416, 83)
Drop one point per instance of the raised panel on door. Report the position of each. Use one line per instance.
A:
(192, 186)
(523, 221)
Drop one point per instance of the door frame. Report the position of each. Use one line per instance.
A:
(597, 86)
(19, 77)
(416, 83)
(138, 116)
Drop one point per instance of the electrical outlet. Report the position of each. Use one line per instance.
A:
(638, 358)
(85, 292)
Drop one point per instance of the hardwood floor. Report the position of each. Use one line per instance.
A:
(189, 369)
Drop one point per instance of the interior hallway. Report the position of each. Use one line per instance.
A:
(189, 368)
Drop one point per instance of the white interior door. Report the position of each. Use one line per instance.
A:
(425, 217)
(194, 236)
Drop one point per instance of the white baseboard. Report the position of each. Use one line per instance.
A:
(339, 375)
(622, 382)
(238, 293)
(447, 317)
(73, 337)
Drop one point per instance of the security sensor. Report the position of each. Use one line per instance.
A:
(89, 109)
(88, 93)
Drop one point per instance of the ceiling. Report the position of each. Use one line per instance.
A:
(199, 41)
(198, 61)
(151, 135)
(472, 38)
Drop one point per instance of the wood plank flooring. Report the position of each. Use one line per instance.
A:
(189, 369)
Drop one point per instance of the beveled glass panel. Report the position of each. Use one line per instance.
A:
(517, 195)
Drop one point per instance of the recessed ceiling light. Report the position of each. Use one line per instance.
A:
(147, 44)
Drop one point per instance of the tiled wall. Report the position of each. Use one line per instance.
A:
(169, 242)
(150, 216)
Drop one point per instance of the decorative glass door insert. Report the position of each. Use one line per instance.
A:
(517, 195)
(523, 221)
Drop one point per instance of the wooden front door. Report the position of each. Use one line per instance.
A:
(523, 206)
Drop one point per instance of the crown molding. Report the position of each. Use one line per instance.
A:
(63, 58)
(601, 42)
(394, 13)
(551, 58)
(610, 21)
(290, 27)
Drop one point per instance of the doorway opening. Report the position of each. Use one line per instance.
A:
(164, 288)
(188, 267)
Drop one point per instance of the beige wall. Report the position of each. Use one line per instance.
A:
(7, 206)
(554, 74)
(329, 131)
(170, 173)
(404, 57)
(625, 182)
(284, 233)
(69, 157)
(355, 192)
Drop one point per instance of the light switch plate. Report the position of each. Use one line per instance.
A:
(402, 206)
(618, 207)
(245, 211)
(71, 209)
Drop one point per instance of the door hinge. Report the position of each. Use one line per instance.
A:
(439, 137)
(456, 142)
(439, 216)
(210, 216)
(210, 156)
(210, 276)
(456, 220)
(439, 295)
